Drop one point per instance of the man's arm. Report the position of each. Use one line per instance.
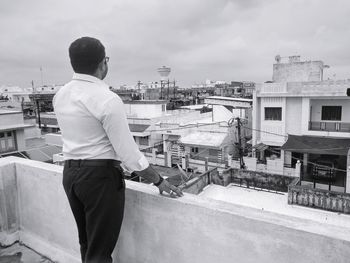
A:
(115, 124)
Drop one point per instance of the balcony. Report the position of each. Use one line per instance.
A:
(34, 210)
(329, 126)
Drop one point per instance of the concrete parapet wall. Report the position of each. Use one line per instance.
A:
(9, 223)
(161, 229)
(304, 89)
(197, 184)
(196, 230)
(318, 198)
(37, 202)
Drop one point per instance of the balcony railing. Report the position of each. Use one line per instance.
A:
(307, 195)
(329, 126)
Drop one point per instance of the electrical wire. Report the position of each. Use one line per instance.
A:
(309, 162)
(156, 146)
(188, 126)
(277, 134)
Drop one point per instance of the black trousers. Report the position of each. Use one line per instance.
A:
(96, 196)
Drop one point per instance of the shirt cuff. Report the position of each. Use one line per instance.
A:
(140, 165)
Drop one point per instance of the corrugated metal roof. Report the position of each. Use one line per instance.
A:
(317, 145)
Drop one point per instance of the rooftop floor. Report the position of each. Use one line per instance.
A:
(273, 202)
(21, 254)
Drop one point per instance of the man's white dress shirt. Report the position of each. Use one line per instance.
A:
(93, 123)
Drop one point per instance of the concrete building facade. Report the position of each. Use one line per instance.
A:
(296, 70)
(12, 135)
(315, 111)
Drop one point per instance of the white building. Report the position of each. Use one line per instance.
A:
(145, 108)
(303, 120)
(12, 131)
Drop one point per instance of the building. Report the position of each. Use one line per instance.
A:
(225, 108)
(295, 70)
(302, 117)
(248, 88)
(12, 131)
(145, 108)
(235, 89)
(210, 138)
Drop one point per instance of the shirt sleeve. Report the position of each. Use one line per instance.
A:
(115, 124)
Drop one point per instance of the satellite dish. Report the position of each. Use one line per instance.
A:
(278, 58)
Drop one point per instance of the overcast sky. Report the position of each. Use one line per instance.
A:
(198, 39)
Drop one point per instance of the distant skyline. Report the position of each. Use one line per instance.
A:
(199, 39)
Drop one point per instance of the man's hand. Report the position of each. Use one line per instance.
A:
(172, 190)
(152, 175)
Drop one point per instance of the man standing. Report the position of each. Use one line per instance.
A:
(96, 140)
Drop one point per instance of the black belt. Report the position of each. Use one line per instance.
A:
(92, 163)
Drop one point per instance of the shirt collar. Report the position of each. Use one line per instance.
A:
(89, 78)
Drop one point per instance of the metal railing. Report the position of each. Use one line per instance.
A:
(329, 126)
(212, 159)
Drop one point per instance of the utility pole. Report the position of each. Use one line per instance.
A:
(161, 89)
(38, 110)
(174, 89)
(241, 161)
(36, 103)
(167, 96)
(41, 74)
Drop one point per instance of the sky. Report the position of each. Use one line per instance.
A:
(198, 39)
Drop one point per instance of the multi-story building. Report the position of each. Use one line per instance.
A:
(302, 117)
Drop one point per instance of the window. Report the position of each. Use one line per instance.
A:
(213, 152)
(194, 149)
(163, 107)
(273, 113)
(7, 141)
(273, 152)
(143, 140)
(331, 113)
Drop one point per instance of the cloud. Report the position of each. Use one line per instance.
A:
(198, 39)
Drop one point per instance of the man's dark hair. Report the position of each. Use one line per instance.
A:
(85, 54)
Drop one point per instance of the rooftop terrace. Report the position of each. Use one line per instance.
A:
(35, 211)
